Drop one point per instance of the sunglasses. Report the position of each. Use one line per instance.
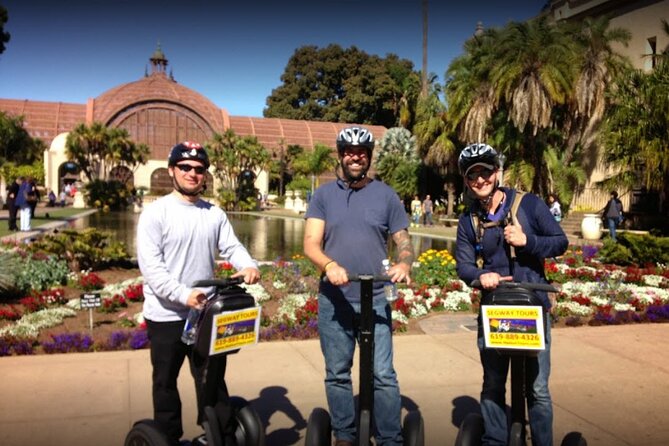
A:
(200, 170)
(483, 173)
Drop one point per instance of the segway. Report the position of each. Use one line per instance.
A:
(319, 430)
(518, 333)
(249, 431)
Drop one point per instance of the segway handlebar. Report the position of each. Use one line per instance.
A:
(527, 285)
(361, 277)
(218, 283)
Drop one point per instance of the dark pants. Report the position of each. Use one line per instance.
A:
(167, 357)
(12, 214)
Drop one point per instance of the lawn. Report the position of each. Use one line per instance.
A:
(44, 215)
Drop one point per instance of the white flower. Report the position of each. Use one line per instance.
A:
(30, 324)
(574, 308)
(257, 291)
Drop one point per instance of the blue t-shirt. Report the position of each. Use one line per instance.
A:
(357, 225)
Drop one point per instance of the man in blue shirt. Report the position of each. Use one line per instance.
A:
(348, 223)
(484, 240)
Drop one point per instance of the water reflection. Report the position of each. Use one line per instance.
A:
(266, 238)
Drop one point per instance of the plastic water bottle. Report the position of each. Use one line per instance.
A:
(389, 288)
(190, 327)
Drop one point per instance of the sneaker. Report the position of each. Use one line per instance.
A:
(200, 440)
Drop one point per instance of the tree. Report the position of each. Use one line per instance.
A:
(340, 85)
(98, 149)
(4, 35)
(598, 63)
(233, 155)
(16, 144)
(435, 142)
(315, 163)
(397, 161)
(636, 131)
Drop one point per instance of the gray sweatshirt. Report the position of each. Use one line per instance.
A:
(177, 244)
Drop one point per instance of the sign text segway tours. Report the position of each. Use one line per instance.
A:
(518, 327)
(234, 329)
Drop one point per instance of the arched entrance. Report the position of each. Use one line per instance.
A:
(68, 173)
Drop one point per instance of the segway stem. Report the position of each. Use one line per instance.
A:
(366, 401)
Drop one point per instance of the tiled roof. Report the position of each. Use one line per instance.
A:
(45, 120)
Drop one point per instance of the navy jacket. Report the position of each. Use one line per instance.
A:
(545, 238)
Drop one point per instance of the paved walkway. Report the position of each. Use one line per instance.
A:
(610, 383)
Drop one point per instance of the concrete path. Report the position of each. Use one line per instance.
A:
(610, 383)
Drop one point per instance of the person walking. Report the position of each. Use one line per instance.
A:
(427, 210)
(24, 205)
(613, 213)
(12, 207)
(482, 254)
(33, 197)
(554, 207)
(172, 253)
(348, 224)
(416, 211)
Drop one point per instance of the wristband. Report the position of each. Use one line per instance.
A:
(325, 267)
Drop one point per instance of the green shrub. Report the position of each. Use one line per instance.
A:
(9, 268)
(38, 273)
(88, 249)
(108, 195)
(635, 249)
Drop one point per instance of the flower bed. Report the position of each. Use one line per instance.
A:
(590, 293)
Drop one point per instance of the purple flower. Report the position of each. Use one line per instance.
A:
(139, 339)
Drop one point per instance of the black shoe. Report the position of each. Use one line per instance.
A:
(200, 440)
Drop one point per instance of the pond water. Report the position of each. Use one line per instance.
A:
(266, 238)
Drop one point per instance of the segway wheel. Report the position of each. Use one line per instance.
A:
(212, 427)
(250, 431)
(319, 430)
(413, 429)
(516, 436)
(574, 439)
(471, 431)
(146, 433)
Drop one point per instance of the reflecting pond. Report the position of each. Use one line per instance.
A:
(266, 237)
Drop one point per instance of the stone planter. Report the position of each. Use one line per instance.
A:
(591, 227)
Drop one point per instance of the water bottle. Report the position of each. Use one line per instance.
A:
(188, 335)
(389, 288)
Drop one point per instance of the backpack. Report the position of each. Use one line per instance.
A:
(479, 228)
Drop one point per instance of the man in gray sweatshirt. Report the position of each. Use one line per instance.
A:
(178, 238)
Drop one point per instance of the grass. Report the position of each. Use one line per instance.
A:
(54, 214)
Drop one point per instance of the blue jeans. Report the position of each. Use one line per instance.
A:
(338, 322)
(612, 222)
(493, 397)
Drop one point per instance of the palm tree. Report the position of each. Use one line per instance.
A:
(636, 133)
(315, 163)
(599, 63)
(435, 142)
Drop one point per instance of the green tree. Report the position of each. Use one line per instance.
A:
(4, 35)
(16, 145)
(636, 131)
(231, 155)
(598, 65)
(314, 163)
(435, 143)
(396, 161)
(340, 85)
(98, 149)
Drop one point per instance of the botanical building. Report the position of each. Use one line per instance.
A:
(159, 112)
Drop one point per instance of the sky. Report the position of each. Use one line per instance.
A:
(232, 52)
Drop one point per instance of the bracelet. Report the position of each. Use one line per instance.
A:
(325, 267)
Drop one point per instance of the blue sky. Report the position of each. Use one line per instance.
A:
(233, 52)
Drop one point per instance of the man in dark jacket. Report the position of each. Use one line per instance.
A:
(485, 237)
(12, 193)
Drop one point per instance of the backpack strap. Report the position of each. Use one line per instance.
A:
(479, 229)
